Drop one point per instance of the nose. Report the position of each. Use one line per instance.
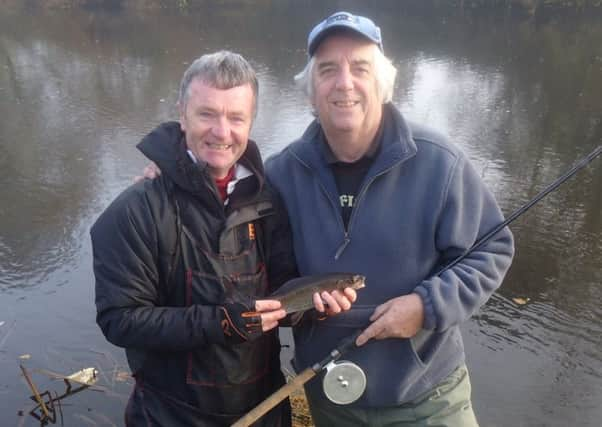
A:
(220, 128)
(344, 79)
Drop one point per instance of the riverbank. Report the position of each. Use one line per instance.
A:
(520, 96)
(526, 8)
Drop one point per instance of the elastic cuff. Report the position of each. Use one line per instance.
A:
(430, 321)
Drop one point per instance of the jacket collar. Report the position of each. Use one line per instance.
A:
(396, 146)
(166, 146)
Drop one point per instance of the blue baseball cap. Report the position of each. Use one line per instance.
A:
(357, 24)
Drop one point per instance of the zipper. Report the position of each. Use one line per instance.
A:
(346, 231)
(341, 248)
(336, 208)
(347, 238)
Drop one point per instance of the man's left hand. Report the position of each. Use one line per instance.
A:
(238, 326)
(335, 302)
(400, 317)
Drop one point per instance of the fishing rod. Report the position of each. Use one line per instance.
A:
(543, 193)
(348, 343)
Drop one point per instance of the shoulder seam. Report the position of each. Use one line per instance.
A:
(445, 147)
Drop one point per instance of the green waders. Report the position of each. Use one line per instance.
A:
(447, 405)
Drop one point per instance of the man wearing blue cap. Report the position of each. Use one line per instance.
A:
(368, 192)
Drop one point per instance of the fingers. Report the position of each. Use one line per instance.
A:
(275, 315)
(343, 301)
(380, 310)
(262, 305)
(378, 327)
(271, 320)
(151, 171)
(271, 313)
(350, 294)
(318, 303)
(367, 334)
(334, 302)
(377, 330)
(400, 317)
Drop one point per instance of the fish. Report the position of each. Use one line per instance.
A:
(297, 294)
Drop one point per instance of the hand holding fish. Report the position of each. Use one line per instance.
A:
(271, 312)
(400, 317)
(328, 293)
(335, 302)
(239, 324)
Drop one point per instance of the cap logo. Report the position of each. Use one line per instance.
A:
(342, 17)
(358, 24)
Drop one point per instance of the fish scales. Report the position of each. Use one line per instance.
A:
(297, 294)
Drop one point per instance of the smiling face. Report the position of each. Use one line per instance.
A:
(217, 124)
(345, 93)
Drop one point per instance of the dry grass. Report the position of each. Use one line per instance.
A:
(301, 415)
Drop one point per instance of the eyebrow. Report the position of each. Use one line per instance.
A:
(326, 64)
(360, 62)
(214, 110)
(241, 114)
(354, 62)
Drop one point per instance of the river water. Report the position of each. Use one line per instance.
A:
(523, 97)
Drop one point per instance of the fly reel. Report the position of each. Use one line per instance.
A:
(344, 382)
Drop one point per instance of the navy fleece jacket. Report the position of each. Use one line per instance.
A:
(420, 205)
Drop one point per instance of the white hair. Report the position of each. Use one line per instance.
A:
(384, 71)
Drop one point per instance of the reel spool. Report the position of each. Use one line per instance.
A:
(344, 382)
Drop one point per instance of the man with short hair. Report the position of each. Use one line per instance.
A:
(368, 192)
(180, 258)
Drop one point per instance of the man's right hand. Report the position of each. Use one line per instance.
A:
(150, 171)
(400, 317)
(334, 302)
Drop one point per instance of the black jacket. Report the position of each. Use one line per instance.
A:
(167, 253)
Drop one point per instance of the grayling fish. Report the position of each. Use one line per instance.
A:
(297, 294)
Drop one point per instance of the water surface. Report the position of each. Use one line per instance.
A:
(78, 89)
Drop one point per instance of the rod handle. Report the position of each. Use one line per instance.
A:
(275, 398)
(348, 343)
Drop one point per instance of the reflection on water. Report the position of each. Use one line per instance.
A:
(79, 89)
(543, 330)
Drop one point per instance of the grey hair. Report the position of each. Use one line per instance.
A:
(221, 70)
(384, 70)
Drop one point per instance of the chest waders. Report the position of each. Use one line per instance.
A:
(231, 377)
(217, 383)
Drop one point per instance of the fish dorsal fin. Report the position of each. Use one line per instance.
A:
(309, 281)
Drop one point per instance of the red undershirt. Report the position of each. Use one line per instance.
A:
(222, 184)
